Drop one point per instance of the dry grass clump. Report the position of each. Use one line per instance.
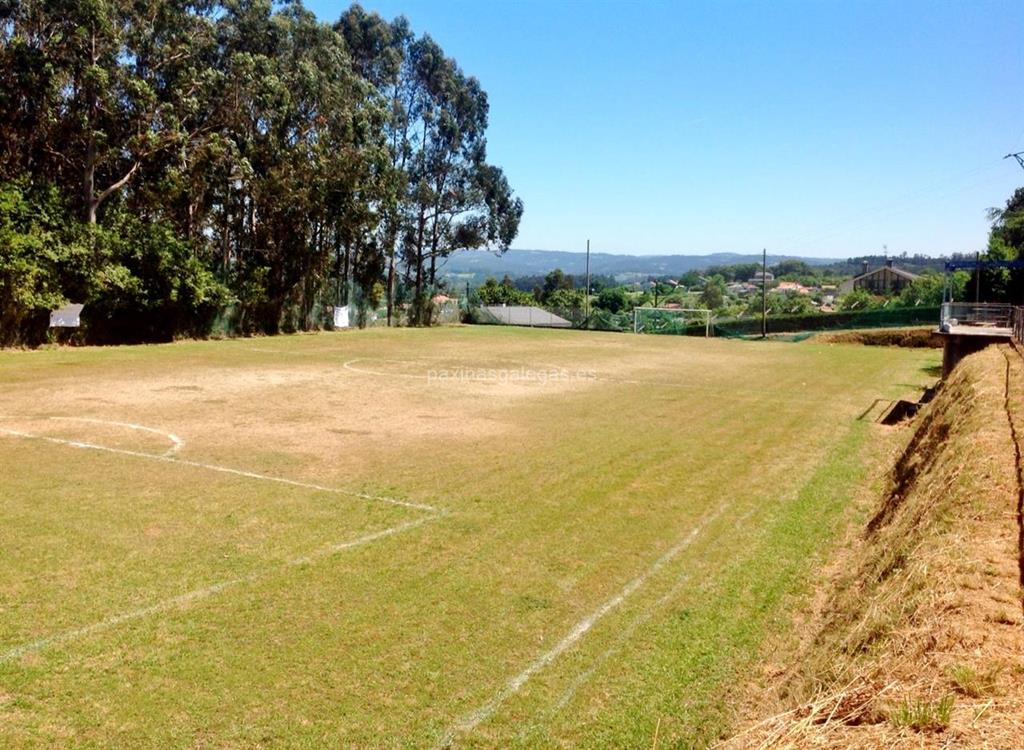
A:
(969, 681)
(917, 637)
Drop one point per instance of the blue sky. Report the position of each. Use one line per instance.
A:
(814, 128)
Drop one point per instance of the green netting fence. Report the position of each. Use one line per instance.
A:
(598, 320)
(809, 324)
(318, 314)
(787, 327)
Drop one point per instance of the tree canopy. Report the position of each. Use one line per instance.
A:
(284, 160)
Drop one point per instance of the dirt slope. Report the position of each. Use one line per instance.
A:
(917, 636)
(913, 338)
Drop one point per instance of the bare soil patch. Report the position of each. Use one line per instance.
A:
(912, 338)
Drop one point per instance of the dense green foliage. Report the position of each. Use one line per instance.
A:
(140, 281)
(713, 295)
(565, 299)
(540, 284)
(1006, 242)
(1007, 237)
(493, 293)
(149, 146)
(928, 289)
(32, 252)
(613, 299)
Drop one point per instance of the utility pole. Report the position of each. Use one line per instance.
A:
(977, 278)
(764, 293)
(1019, 156)
(587, 295)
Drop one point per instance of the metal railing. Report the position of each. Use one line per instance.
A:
(983, 314)
(1017, 324)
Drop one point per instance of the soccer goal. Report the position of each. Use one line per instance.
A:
(664, 320)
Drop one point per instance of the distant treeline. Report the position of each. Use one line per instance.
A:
(794, 270)
(915, 263)
(162, 160)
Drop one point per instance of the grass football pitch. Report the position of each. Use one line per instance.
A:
(467, 537)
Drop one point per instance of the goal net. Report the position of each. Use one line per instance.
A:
(673, 321)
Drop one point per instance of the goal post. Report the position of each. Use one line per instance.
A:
(670, 320)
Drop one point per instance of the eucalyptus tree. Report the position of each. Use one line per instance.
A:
(446, 196)
(378, 50)
(243, 137)
(309, 173)
(457, 200)
(83, 89)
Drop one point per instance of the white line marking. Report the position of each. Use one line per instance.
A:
(350, 366)
(202, 593)
(176, 442)
(470, 721)
(222, 469)
(626, 635)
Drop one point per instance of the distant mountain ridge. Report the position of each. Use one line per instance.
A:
(534, 262)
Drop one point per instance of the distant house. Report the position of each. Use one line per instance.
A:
(741, 288)
(792, 286)
(883, 280)
(760, 277)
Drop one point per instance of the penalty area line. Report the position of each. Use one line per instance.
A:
(205, 592)
(176, 442)
(222, 469)
(472, 720)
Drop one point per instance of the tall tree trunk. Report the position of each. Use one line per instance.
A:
(419, 260)
(89, 178)
(391, 280)
(89, 182)
(348, 269)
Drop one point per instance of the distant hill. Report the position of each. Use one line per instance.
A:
(534, 262)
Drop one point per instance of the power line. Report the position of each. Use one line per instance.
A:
(1019, 156)
(897, 207)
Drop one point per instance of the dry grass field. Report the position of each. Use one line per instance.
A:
(474, 537)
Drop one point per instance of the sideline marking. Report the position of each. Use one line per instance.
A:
(639, 621)
(203, 593)
(473, 719)
(176, 442)
(222, 469)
